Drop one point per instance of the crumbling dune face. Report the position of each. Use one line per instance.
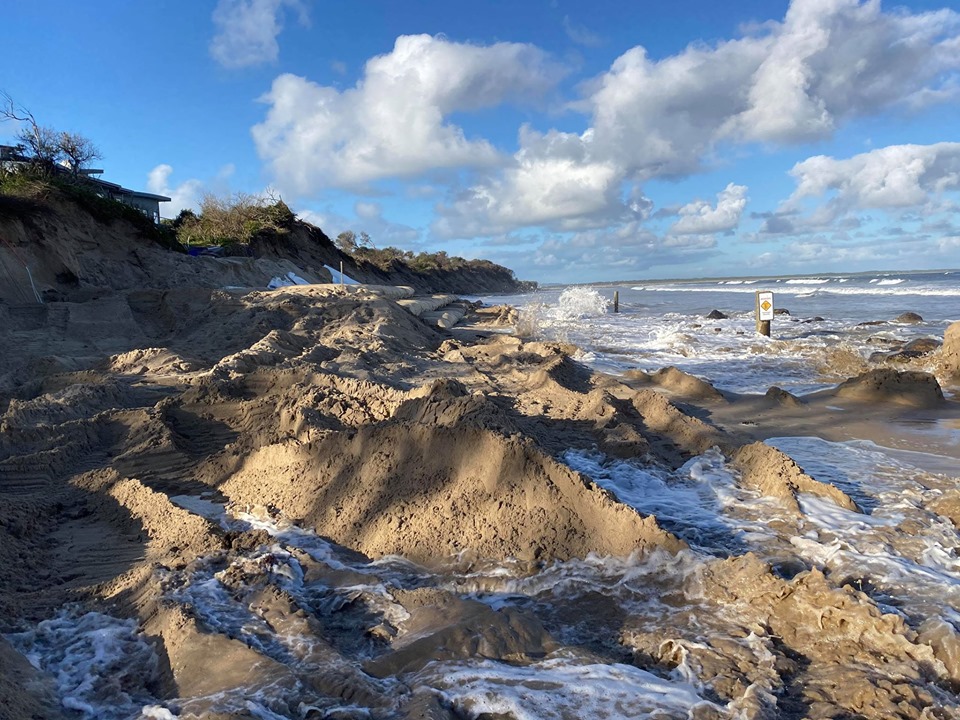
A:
(72, 255)
(774, 474)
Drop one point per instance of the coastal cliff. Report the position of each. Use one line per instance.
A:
(54, 246)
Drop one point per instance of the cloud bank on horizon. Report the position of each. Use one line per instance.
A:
(812, 141)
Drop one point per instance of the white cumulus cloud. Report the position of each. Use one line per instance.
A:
(185, 196)
(793, 81)
(395, 121)
(826, 62)
(554, 180)
(247, 30)
(897, 176)
(702, 218)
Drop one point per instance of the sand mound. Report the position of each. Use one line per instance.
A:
(950, 354)
(678, 382)
(773, 473)
(917, 389)
(779, 397)
(666, 423)
(429, 492)
(443, 626)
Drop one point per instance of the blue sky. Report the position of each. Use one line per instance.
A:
(570, 141)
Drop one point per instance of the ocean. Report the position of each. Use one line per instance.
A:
(832, 321)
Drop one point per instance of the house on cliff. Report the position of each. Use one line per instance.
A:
(147, 203)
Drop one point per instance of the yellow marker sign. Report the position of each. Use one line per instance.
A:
(764, 305)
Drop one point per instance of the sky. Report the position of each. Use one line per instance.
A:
(569, 141)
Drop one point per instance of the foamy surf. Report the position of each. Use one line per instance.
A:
(103, 666)
(901, 547)
(665, 324)
(559, 689)
(915, 573)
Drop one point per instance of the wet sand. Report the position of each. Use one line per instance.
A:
(227, 470)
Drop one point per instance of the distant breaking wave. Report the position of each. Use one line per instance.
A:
(878, 289)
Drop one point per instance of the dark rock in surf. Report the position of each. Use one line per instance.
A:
(716, 315)
(920, 347)
(909, 317)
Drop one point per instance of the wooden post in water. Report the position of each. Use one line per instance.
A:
(616, 301)
(764, 308)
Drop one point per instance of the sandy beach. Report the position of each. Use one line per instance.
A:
(307, 501)
(352, 419)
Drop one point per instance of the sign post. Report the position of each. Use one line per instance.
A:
(764, 311)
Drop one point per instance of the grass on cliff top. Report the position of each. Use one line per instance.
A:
(26, 191)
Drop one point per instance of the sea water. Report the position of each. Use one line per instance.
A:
(833, 320)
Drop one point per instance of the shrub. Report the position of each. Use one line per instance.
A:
(233, 220)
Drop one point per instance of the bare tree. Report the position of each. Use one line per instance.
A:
(78, 151)
(43, 145)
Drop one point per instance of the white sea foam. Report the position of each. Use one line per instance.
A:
(917, 571)
(652, 333)
(579, 302)
(880, 289)
(560, 688)
(807, 281)
(101, 665)
(637, 581)
(201, 506)
(693, 502)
